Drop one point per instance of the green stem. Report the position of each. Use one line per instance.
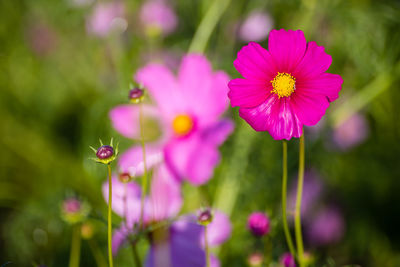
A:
(110, 256)
(136, 257)
(98, 256)
(144, 178)
(297, 219)
(207, 25)
(75, 246)
(208, 264)
(284, 196)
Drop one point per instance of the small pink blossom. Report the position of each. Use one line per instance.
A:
(287, 260)
(351, 132)
(256, 27)
(105, 18)
(258, 223)
(157, 16)
(284, 87)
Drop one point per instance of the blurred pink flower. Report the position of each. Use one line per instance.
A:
(105, 18)
(284, 87)
(157, 17)
(256, 27)
(41, 38)
(71, 205)
(351, 132)
(258, 223)
(189, 110)
(287, 260)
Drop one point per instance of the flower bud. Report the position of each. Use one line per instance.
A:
(105, 153)
(205, 217)
(124, 177)
(287, 260)
(74, 210)
(255, 259)
(136, 95)
(258, 224)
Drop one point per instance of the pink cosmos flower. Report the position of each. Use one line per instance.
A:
(158, 17)
(105, 18)
(181, 243)
(188, 109)
(256, 26)
(284, 87)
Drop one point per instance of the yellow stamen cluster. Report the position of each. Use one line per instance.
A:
(182, 124)
(284, 84)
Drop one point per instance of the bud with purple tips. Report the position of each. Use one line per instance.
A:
(136, 95)
(205, 217)
(258, 224)
(105, 153)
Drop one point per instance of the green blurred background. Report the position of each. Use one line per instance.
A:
(58, 84)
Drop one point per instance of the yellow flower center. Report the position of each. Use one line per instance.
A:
(182, 124)
(284, 84)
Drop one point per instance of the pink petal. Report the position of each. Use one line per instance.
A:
(118, 238)
(219, 230)
(162, 86)
(132, 160)
(314, 62)
(125, 119)
(165, 197)
(248, 93)
(219, 132)
(191, 158)
(204, 92)
(125, 199)
(275, 116)
(309, 108)
(287, 48)
(326, 84)
(255, 62)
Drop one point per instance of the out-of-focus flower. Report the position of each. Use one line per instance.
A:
(189, 108)
(41, 38)
(258, 224)
(287, 260)
(326, 227)
(136, 95)
(74, 210)
(255, 260)
(351, 132)
(256, 26)
(107, 17)
(312, 190)
(87, 230)
(284, 87)
(158, 18)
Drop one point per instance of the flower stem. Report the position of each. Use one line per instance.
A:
(297, 219)
(110, 256)
(136, 257)
(284, 196)
(98, 256)
(208, 264)
(144, 178)
(75, 246)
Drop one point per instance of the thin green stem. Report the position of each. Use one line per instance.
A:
(75, 246)
(136, 257)
(297, 219)
(208, 263)
(110, 256)
(284, 196)
(98, 256)
(144, 178)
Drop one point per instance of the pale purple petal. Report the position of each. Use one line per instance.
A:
(132, 160)
(104, 18)
(256, 27)
(287, 49)
(351, 132)
(219, 230)
(118, 239)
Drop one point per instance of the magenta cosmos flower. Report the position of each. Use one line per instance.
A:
(188, 109)
(284, 87)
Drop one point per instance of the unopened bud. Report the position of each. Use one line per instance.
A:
(205, 217)
(136, 95)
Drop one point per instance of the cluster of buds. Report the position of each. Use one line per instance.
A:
(74, 211)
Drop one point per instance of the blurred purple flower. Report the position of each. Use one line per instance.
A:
(287, 260)
(326, 227)
(105, 18)
(41, 38)
(256, 27)
(351, 132)
(157, 17)
(258, 223)
(312, 189)
(188, 108)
